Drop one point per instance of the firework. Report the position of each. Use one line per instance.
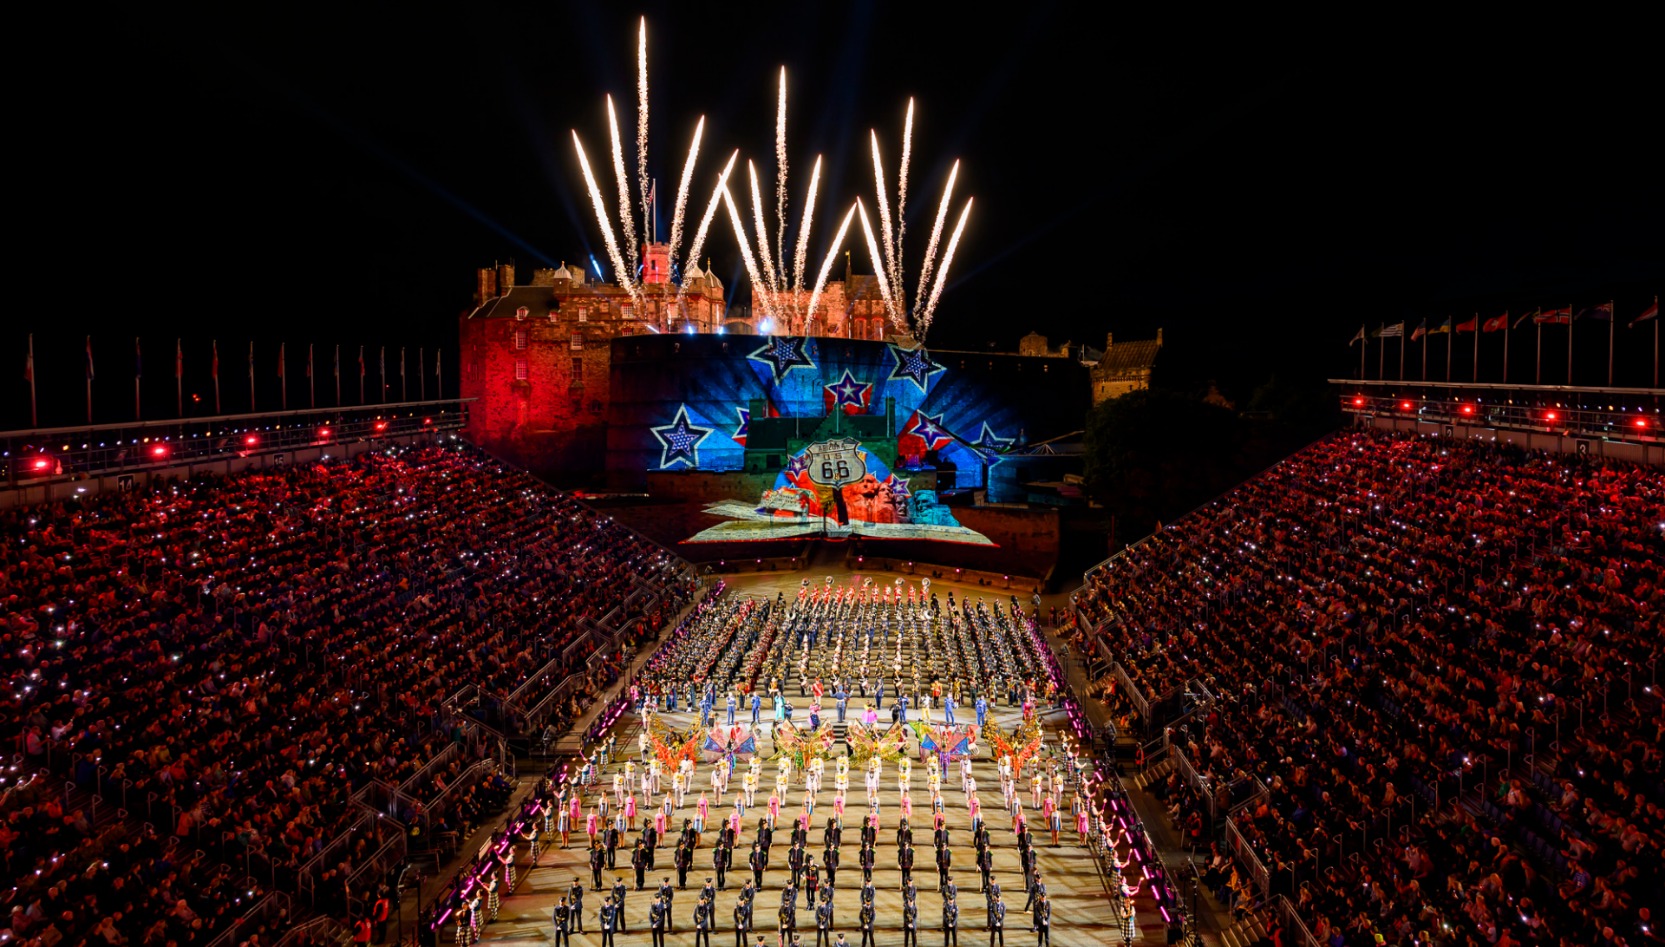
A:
(763, 252)
(642, 128)
(826, 265)
(879, 270)
(936, 235)
(803, 229)
(760, 295)
(924, 318)
(600, 204)
(682, 188)
(780, 175)
(705, 221)
(887, 250)
(626, 217)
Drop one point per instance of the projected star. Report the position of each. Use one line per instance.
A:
(930, 430)
(797, 465)
(739, 434)
(782, 353)
(915, 365)
(989, 445)
(680, 441)
(850, 393)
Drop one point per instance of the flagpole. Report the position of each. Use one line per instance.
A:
(1538, 374)
(33, 419)
(283, 379)
(1569, 344)
(1365, 339)
(252, 408)
(311, 380)
(1401, 353)
(439, 380)
(1476, 376)
(1612, 318)
(1381, 355)
(89, 379)
(404, 394)
(1506, 321)
(216, 344)
(138, 370)
(361, 374)
(1425, 355)
(381, 373)
(1450, 330)
(338, 374)
(421, 369)
(179, 376)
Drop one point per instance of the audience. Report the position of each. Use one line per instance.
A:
(1439, 656)
(229, 659)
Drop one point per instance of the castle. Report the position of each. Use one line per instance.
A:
(539, 359)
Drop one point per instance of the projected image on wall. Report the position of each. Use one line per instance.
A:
(837, 488)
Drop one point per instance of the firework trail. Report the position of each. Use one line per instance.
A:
(642, 128)
(780, 176)
(936, 235)
(705, 222)
(803, 231)
(762, 230)
(902, 201)
(682, 189)
(827, 264)
(759, 293)
(924, 318)
(626, 215)
(879, 271)
(883, 203)
(625, 275)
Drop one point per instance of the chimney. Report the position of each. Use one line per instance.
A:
(1158, 336)
(505, 278)
(1109, 340)
(482, 285)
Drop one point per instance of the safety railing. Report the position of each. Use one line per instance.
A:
(1247, 857)
(1296, 932)
(271, 912)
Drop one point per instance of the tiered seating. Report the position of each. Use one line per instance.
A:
(1438, 657)
(232, 658)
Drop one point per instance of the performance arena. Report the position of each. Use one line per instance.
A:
(1399, 685)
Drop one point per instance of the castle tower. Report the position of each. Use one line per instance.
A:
(656, 263)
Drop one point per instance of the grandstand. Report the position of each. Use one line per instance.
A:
(1401, 684)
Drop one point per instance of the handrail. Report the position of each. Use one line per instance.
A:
(1241, 850)
(1292, 922)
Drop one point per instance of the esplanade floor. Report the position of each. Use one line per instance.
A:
(1082, 906)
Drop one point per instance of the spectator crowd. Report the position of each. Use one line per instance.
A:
(225, 661)
(1433, 671)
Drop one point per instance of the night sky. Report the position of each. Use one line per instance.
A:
(337, 176)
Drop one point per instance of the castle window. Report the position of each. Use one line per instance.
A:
(521, 338)
(583, 313)
(521, 370)
(577, 373)
(520, 313)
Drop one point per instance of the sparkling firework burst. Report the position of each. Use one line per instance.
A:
(886, 249)
(626, 257)
(778, 277)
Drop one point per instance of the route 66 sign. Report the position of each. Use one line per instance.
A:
(835, 463)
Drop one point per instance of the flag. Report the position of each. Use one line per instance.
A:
(1555, 317)
(1441, 329)
(1357, 338)
(1420, 330)
(1393, 331)
(1496, 323)
(178, 359)
(138, 360)
(1531, 315)
(1470, 325)
(1601, 313)
(89, 359)
(1648, 314)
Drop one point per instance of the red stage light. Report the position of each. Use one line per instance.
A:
(1358, 401)
(41, 463)
(1468, 409)
(381, 426)
(1641, 422)
(160, 450)
(1404, 406)
(427, 420)
(250, 441)
(1550, 416)
(324, 431)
